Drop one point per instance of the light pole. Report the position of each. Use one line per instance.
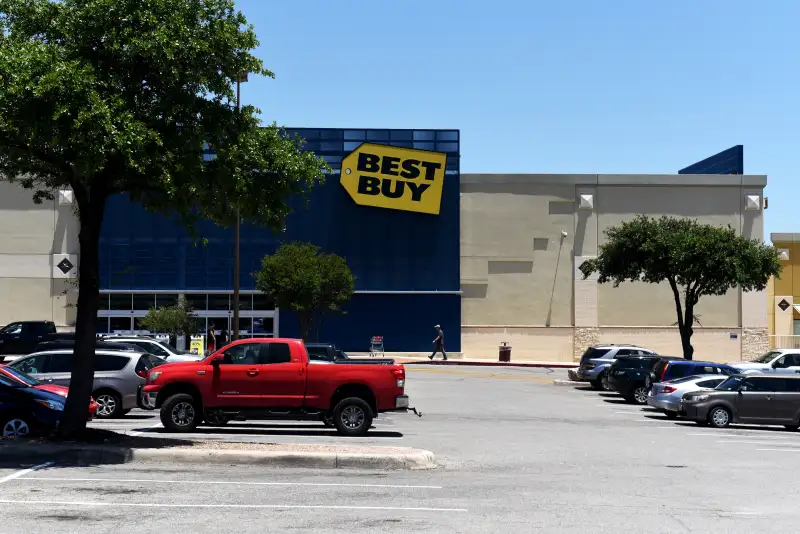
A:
(236, 237)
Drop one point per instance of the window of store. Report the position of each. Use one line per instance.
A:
(143, 301)
(219, 302)
(121, 301)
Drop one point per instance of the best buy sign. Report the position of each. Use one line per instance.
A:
(395, 178)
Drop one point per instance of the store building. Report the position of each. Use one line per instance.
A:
(783, 294)
(496, 262)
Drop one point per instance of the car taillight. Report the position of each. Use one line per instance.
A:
(400, 375)
(667, 389)
(589, 366)
(664, 371)
(142, 373)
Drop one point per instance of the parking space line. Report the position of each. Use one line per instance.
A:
(24, 472)
(95, 504)
(225, 482)
(782, 450)
(753, 442)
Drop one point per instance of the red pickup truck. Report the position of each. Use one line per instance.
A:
(269, 378)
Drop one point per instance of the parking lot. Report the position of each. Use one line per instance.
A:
(517, 454)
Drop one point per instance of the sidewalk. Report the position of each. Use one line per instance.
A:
(483, 362)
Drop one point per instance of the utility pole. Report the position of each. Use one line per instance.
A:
(236, 230)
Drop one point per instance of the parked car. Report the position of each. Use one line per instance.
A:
(61, 391)
(26, 410)
(629, 376)
(760, 399)
(156, 348)
(66, 343)
(784, 361)
(21, 337)
(666, 370)
(119, 376)
(325, 352)
(268, 378)
(666, 396)
(596, 360)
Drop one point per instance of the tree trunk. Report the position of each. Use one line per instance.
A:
(687, 331)
(80, 387)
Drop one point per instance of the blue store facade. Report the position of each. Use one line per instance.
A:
(407, 265)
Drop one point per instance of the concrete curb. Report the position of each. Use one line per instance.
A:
(568, 383)
(409, 459)
(554, 365)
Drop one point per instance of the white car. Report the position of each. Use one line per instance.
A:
(156, 348)
(666, 396)
(785, 361)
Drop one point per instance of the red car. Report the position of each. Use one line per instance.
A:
(29, 381)
(270, 378)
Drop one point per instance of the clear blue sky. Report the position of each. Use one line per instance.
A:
(569, 86)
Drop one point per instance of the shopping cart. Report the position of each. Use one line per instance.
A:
(376, 346)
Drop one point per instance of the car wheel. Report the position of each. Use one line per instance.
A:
(604, 382)
(791, 427)
(596, 384)
(671, 415)
(719, 417)
(15, 426)
(352, 417)
(327, 420)
(216, 419)
(109, 404)
(639, 394)
(180, 413)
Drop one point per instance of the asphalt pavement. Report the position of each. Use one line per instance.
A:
(517, 454)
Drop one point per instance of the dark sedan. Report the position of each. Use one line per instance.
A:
(27, 410)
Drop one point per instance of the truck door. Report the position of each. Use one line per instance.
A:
(236, 381)
(282, 382)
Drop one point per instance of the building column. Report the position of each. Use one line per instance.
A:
(586, 331)
(755, 329)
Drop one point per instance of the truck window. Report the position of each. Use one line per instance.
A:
(244, 354)
(275, 353)
(317, 353)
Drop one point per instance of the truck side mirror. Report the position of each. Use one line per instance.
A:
(216, 362)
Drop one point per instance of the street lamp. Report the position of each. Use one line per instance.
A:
(242, 78)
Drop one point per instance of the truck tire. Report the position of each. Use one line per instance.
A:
(180, 413)
(352, 417)
(596, 384)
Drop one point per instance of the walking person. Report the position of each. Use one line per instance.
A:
(223, 338)
(212, 339)
(439, 343)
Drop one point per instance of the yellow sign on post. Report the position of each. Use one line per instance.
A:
(395, 178)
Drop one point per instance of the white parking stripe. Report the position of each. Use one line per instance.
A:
(782, 450)
(24, 472)
(751, 442)
(96, 504)
(225, 482)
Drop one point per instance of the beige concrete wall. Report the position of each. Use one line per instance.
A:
(710, 344)
(516, 267)
(30, 235)
(653, 305)
(533, 344)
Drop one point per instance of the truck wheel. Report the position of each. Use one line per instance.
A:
(352, 417)
(180, 413)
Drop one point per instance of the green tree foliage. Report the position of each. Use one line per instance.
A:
(300, 278)
(120, 97)
(178, 320)
(694, 259)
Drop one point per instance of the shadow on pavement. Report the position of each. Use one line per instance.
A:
(282, 431)
(98, 447)
(617, 401)
(749, 428)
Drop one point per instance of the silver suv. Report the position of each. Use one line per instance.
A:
(598, 358)
(118, 376)
(156, 348)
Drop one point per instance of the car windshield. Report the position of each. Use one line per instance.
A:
(731, 384)
(13, 328)
(768, 357)
(27, 379)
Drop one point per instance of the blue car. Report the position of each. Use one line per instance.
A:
(26, 410)
(671, 369)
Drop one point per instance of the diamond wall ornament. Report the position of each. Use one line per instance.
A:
(586, 202)
(783, 253)
(783, 305)
(66, 197)
(752, 202)
(65, 266)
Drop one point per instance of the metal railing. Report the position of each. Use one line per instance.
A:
(784, 342)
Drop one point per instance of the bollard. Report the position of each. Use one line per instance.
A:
(505, 352)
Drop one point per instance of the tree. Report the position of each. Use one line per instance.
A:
(177, 320)
(694, 259)
(300, 278)
(111, 97)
